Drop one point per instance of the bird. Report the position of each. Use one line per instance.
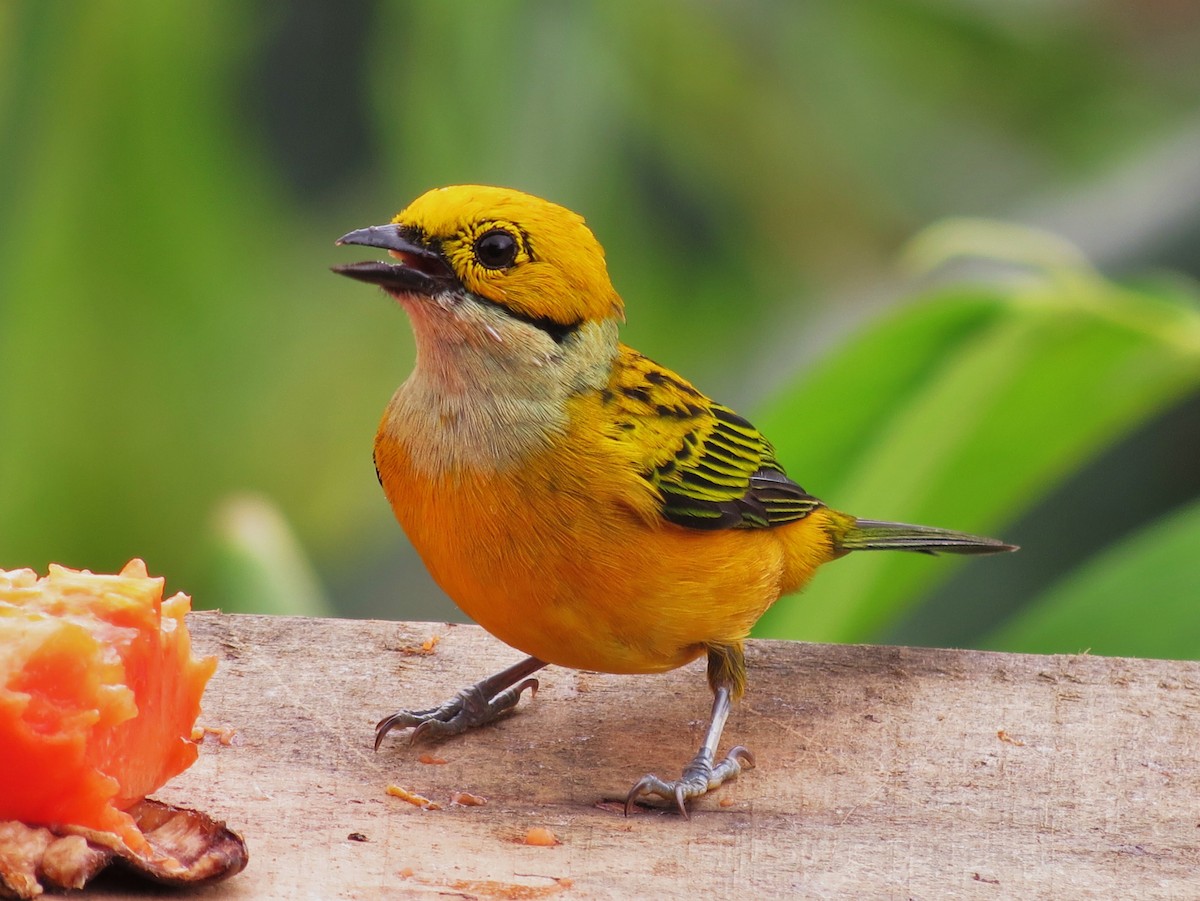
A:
(582, 503)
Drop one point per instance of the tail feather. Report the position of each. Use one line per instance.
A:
(875, 535)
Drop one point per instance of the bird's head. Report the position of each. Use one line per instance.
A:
(475, 260)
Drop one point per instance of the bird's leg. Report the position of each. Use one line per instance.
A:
(727, 675)
(473, 706)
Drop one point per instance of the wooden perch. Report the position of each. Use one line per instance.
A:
(882, 773)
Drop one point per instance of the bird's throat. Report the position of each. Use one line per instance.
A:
(487, 402)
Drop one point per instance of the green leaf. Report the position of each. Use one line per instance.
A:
(1137, 599)
(258, 565)
(963, 409)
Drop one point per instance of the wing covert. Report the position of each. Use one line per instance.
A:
(711, 467)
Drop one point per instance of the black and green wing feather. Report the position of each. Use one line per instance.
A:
(711, 468)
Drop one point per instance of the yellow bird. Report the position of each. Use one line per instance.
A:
(579, 501)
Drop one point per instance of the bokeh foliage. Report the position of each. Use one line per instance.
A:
(1005, 387)
(172, 176)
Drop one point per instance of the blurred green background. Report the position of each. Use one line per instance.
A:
(941, 250)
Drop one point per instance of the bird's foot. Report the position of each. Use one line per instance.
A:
(469, 708)
(698, 779)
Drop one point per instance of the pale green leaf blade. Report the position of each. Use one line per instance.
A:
(257, 563)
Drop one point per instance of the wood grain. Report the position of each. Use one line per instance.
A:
(883, 773)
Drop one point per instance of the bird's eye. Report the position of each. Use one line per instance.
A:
(496, 249)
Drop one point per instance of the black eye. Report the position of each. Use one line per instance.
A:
(496, 249)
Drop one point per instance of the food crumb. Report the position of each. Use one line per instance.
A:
(726, 802)
(405, 873)
(425, 648)
(1004, 736)
(431, 759)
(413, 798)
(541, 837)
(466, 799)
(356, 837)
(224, 734)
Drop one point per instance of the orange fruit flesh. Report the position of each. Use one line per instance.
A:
(98, 694)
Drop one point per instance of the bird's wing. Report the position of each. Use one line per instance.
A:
(712, 468)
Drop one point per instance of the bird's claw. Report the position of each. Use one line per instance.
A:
(466, 710)
(699, 778)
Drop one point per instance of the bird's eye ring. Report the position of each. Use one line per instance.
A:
(496, 249)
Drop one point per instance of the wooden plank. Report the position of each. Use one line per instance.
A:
(883, 773)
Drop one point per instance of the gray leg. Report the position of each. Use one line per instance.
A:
(700, 776)
(480, 703)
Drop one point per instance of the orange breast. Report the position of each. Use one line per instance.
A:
(565, 557)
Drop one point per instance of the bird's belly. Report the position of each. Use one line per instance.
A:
(563, 552)
(574, 576)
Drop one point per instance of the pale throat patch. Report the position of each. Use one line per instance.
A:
(488, 390)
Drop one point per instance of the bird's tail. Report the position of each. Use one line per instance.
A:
(873, 535)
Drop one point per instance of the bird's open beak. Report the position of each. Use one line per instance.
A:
(421, 270)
